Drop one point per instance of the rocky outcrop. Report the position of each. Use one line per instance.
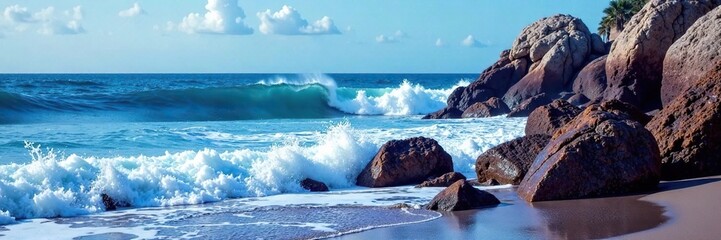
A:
(558, 47)
(445, 113)
(444, 180)
(402, 162)
(313, 185)
(634, 65)
(461, 196)
(549, 118)
(599, 153)
(591, 80)
(508, 163)
(694, 54)
(633, 113)
(490, 108)
(687, 130)
(528, 105)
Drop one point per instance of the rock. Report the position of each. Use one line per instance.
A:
(549, 118)
(461, 196)
(499, 78)
(313, 185)
(578, 99)
(597, 44)
(528, 105)
(402, 162)
(618, 107)
(599, 153)
(687, 130)
(634, 65)
(490, 108)
(444, 180)
(445, 113)
(108, 202)
(558, 47)
(401, 206)
(508, 162)
(591, 80)
(694, 54)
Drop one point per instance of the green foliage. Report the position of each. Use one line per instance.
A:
(618, 13)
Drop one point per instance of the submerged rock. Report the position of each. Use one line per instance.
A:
(444, 180)
(313, 185)
(549, 118)
(461, 196)
(508, 163)
(402, 162)
(108, 202)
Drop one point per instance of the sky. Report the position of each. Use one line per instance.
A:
(269, 36)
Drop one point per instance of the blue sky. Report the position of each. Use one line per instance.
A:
(288, 36)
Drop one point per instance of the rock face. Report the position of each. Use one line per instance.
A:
(402, 162)
(687, 130)
(558, 47)
(634, 65)
(508, 163)
(598, 153)
(461, 196)
(490, 108)
(694, 54)
(313, 185)
(444, 180)
(528, 105)
(549, 118)
(591, 80)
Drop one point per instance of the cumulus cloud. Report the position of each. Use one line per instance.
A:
(47, 21)
(471, 41)
(221, 17)
(135, 10)
(288, 21)
(395, 37)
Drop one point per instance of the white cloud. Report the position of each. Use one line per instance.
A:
(395, 37)
(46, 20)
(288, 21)
(470, 41)
(135, 10)
(221, 17)
(440, 43)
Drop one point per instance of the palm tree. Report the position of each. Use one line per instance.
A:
(618, 13)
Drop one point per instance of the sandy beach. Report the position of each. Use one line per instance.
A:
(689, 209)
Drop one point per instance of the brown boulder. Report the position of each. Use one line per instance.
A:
(508, 162)
(444, 180)
(634, 65)
(598, 153)
(549, 118)
(461, 196)
(688, 130)
(313, 185)
(578, 99)
(528, 105)
(490, 108)
(591, 80)
(694, 54)
(402, 162)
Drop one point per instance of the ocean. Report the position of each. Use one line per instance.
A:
(200, 155)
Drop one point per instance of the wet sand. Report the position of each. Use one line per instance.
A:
(688, 209)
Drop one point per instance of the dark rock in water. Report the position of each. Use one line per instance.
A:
(461, 196)
(635, 64)
(688, 130)
(401, 206)
(508, 163)
(490, 108)
(444, 180)
(591, 80)
(108, 202)
(313, 185)
(445, 113)
(694, 54)
(402, 162)
(598, 153)
(549, 118)
(528, 105)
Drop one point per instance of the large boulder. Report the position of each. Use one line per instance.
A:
(688, 130)
(490, 108)
(402, 162)
(549, 118)
(528, 105)
(694, 54)
(634, 65)
(598, 153)
(591, 80)
(508, 162)
(558, 47)
(461, 196)
(444, 180)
